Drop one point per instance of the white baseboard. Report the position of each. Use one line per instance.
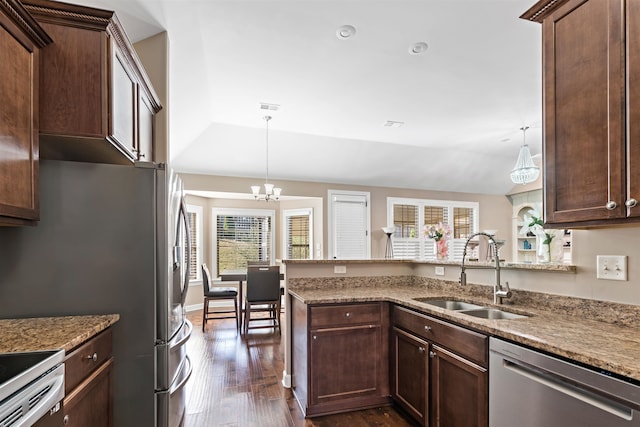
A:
(286, 380)
(193, 307)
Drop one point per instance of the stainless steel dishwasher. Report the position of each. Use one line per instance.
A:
(531, 389)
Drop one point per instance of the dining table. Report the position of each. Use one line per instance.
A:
(239, 276)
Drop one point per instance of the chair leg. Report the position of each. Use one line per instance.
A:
(204, 313)
(247, 317)
(278, 316)
(235, 306)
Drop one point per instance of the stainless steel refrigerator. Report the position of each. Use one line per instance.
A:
(111, 239)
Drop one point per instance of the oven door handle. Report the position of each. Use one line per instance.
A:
(557, 383)
(48, 401)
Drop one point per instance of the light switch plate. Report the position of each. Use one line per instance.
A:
(439, 271)
(340, 269)
(612, 267)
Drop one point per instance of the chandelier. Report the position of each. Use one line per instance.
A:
(525, 171)
(270, 192)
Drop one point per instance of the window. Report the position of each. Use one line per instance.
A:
(349, 225)
(298, 239)
(242, 235)
(194, 217)
(410, 216)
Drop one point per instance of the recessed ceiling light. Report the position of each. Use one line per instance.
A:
(393, 124)
(418, 48)
(346, 32)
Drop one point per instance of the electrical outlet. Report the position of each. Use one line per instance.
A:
(612, 267)
(340, 269)
(440, 271)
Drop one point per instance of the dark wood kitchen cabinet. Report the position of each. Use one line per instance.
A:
(21, 39)
(89, 383)
(591, 83)
(439, 372)
(97, 103)
(340, 357)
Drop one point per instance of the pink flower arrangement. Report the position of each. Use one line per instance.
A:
(439, 232)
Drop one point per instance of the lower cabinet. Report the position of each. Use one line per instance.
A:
(439, 371)
(89, 383)
(341, 356)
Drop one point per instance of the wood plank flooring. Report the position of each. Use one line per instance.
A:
(236, 381)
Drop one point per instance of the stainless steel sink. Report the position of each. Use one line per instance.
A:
(492, 313)
(449, 304)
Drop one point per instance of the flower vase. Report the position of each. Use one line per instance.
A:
(544, 253)
(442, 252)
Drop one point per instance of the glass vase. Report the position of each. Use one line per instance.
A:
(442, 250)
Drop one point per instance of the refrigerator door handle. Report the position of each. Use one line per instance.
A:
(177, 253)
(184, 379)
(186, 335)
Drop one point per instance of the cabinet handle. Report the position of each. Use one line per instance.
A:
(432, 354)
(420, 349)
(347, 314)
(65, 420)
(142, 155)
(631, 203)
(427, 328)
(611, 205)
(93, 357)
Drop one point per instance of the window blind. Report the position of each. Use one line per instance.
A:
(194, 251)
(298, 237)
(350, 226)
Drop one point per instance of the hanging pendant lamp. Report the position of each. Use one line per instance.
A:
(525, 171)
(270, 192)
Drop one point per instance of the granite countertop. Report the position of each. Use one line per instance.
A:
(50, 333)
(604, 345)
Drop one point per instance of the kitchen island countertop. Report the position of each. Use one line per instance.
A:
(608, 346)
(49, 333)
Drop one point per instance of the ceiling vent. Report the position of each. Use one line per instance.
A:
(269, 107)
(393, 124)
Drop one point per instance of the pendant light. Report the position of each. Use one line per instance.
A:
(270, 192)
(525, 171)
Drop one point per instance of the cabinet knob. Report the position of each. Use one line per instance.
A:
(65, 420)
(315, 336)
(427, 328)
(631, 203)
(93, 357)
(432, 354)
(420, 349)
(347, 314)
(611, 205)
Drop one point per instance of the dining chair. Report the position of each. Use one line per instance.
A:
(214, 294)
(263, 295)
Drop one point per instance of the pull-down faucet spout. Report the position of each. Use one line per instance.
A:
(498, 292)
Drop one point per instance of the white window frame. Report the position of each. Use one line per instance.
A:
(198, 211)
(332, 194)
(238, 212)
(285, 235)
(420, 239)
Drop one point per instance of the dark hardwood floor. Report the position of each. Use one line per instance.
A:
(236, 381)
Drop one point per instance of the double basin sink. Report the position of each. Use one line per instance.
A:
(471, 309)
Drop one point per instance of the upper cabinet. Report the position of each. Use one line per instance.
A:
(591, 83)
(20, 41)
(96, 101)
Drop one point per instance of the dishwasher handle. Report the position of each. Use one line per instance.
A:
(559, 384)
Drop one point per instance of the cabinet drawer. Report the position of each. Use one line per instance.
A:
(464, 342)
(326, 316)
(82, 361)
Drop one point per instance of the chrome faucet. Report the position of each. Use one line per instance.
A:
(498, 291)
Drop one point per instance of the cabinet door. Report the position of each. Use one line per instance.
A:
(584, 95)
(345, 363)
(459, 391)
(124, 97)
(410, 374)
(18, 125)
(146, 128)
(89, 404)
(633, 105)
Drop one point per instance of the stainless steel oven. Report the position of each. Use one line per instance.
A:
(31, 388)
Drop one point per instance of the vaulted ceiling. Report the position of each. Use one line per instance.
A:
(462, 101)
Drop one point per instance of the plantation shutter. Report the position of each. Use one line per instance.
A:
(406, 238)
(298, 237)
(350, 222)
(464, 220)
(432, 216)
(192, 219)
(242, 238)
